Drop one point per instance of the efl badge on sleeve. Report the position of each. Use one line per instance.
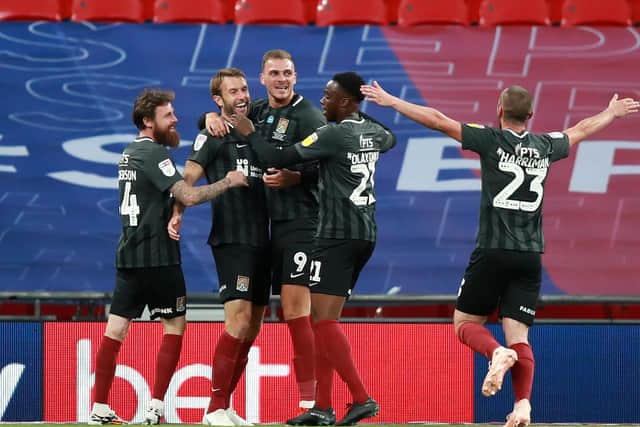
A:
(181, 304)
(242, 284)
(167, 168)
(310, 140)
(199, 142)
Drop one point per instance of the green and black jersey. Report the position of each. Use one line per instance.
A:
(284, 127)
(514, 170)
(348, 153)
(240, 214)
(146, 172)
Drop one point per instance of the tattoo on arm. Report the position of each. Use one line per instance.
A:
(190, 196)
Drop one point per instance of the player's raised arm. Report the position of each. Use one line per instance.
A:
(427, 116)
(586, 127)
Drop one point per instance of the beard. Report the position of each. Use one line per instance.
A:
(167, 137)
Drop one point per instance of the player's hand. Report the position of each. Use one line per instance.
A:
(215, 125)
(281, 178)
(376, 94)
(242, 124)
(174, 227)
(237, 179)
(622, 107)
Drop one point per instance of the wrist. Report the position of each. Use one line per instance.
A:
(226, 183)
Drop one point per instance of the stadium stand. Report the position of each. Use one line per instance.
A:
(111, 11)
(508, 12)
(192, 11)
(416, 12)
(280, 12)
(20, 10)
(355, 12)
(589, 12)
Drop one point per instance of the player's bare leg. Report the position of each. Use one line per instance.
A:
(521, 414)
(501, 361)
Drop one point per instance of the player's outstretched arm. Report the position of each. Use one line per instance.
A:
(427, 116)
(587, 127)
(190, 196)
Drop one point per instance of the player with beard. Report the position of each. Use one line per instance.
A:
(147, 259)
(348, 151)
(239, 240)
(504, 270)
(284, 118)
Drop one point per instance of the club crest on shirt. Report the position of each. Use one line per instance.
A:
(181, 304)
(199, 142)
(281, 129)
(242, 283)
(167, 168)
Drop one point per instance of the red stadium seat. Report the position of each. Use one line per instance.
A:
(417, 12)
(555, 10)
(635, 11)
(191, 11)
(589, 12)
(393, 6)
(351, 12)
(474, 10)
(22, 10)
(510, 12)
(108, 11)
(310, 7)
(270, 12)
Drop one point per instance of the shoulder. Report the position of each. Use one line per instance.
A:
(302, 106)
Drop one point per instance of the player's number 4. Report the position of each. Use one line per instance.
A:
(130, 206)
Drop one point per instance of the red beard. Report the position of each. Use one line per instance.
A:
(168, 138)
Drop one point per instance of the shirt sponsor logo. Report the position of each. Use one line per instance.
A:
(161, 311)
(310, 140)
(167, 168)
(242, 284)
(527, 310)
(199, 142)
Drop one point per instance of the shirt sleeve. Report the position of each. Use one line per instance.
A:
(559, 145)
(161, 169)
(477, 138)
(204, 149)
(323, 143)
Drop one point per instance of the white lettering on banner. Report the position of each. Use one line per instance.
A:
(86, 379)
(255, 371)
(422, 162)
(92, 149)
(9, 378)
(594, 165)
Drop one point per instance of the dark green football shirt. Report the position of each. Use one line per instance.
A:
(146, 172)
(514, 170)
(240, 214)
(348, 153)
(283, 127)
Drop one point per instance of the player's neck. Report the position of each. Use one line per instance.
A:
(277, 103)
(516, 127)
(148, 133)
